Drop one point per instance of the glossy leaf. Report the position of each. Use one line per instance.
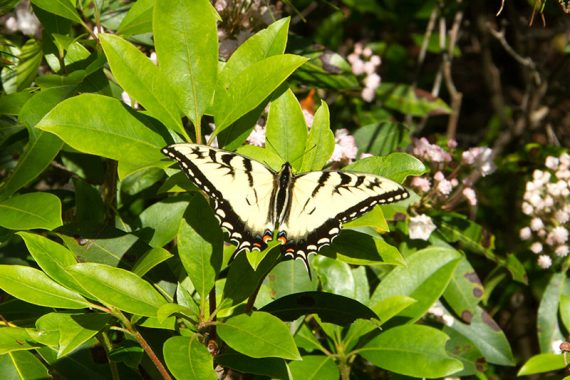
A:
(265, 43)
(315, 367)
(251, 86)
(458, 228)
(163, 218)
(150, 259)
(358, 248)
(542, 363)
(289, 277)
(404, 99)
(547, 318)
(274, 368)
(52, 257)
(42, 146)
(487, 336)
(73, 329)
(424, 279)
(286, 130)
(335, 276)
(22, 365)
(391, 306)
(34, 286)
(31, 210)
(200, 245)
(63, 8)
(16, 77)
(259, 335)
(104, 127)
(412, 350)
(138, 20)
(142, 80)
(395, 166)
(381, 138)
(465, 291)
(331, 308)
(320, 141)
(15, 339)
(187, 358)
(119, 288)
(189, 62)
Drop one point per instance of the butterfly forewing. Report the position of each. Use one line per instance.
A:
(239, 188)
(323, 201)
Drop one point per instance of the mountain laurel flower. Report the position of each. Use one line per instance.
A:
(430, 152)
(481, 158)
(421, 227)
(562, 216)
(561, 251)
(422, 184)
(345, 148)
(368, 94)
(544, 261)
(470, 195)
(552, 162)
(536, 224)
(525, 233)
(444, 187)
(257, 136)
(559, 235)
(125, 97)
(536, 247)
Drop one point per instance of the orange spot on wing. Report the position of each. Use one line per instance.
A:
(282, 239)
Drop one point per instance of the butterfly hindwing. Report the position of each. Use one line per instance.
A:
(233, 183)
(323, 201)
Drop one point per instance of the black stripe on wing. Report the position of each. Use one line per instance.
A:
(228, 219)
(324, 235)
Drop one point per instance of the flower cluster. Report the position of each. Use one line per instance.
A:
(449, 182)
(22, 20)
(240, 19)
(365, 63)
(545, 201)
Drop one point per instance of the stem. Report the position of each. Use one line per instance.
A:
(144, 344)
(107, 346)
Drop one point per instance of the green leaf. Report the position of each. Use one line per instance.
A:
(200, 246)
(42, 146)
(251, 86)
(31, 210)
(186, 41)
(163, 218)
(487, 336)
(464, 291)
(265, 43)
(53, 258)
(381, 138)
(259, 335)
(470, 235)
(103, 126)
(396, 166)
(542, 363)
(354, 247)
(329, 307)
(409, 101)
(142, 80)
(20, 75)
(242, 279)
(22, 365)
(34, 286)
(149, 260)
(320, 142)
(424, 279)
(286, 130)
(564, 309)
(73, 329)
(289, 277)
(119, 288)
(63, 8)
(138, 19)
(547, 318)
(15, 339)
(260, 154)
(335, 276)
(187, 358)
(274, 368)
(315, 367)
(411, 350)
(391, 306)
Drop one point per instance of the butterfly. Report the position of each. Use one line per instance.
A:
(255, 204)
